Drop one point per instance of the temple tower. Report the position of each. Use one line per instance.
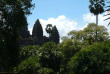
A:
(37, 33)
(55, 35)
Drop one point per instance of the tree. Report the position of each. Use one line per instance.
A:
(77, 35)
(28, 51)
(68, 48)
(29, 66)
(91, 60)
(64, 38)
(88, 34)
(50, 57)
(49, 29)
(102, 34)
(13, 16)
(29, 61)
(96, 7)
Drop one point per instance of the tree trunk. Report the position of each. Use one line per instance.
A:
(49, 36)
(96, 19)
(96, 27)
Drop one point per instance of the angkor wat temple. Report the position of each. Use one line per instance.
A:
(37, 37)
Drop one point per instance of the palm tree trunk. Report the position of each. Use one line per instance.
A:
(96, 26)
(49, 36)
(96, 19)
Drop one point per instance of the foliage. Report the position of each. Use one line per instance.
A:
(97, 6)
(79, 35)
(68, 48)
(93, 59)
(45, 71)
(102, 34)
(88, 34)
(47, 57)
(13, 16)
(108, 11)
(49, 29)
(28, 51)
(29, 66)
(50, 57)
(64, 38)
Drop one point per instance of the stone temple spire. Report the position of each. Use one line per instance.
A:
(37, 33)
(55, 35)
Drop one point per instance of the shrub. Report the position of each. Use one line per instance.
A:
(94, 59)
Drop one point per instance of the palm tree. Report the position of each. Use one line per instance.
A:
(96, 7)
(49, 29)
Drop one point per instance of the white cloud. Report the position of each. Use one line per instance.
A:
(63, 24)
(30, 30)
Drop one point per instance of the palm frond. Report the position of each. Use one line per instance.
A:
(107, 14)
(107, 18)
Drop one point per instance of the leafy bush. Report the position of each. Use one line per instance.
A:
(29, 66)
(28, 51)
(94, 59)
(50, 57)
(68, 48)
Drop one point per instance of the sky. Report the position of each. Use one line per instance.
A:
(67, 15)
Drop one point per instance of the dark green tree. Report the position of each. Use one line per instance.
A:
(68, 48)
(29, 66)
(23, 31)
(28, 51)
(55, 35)
(29, 61)
(91, 60)
(50, 57)
(13, 16)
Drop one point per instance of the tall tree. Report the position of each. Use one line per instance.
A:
(13, 16)
(96, 7)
